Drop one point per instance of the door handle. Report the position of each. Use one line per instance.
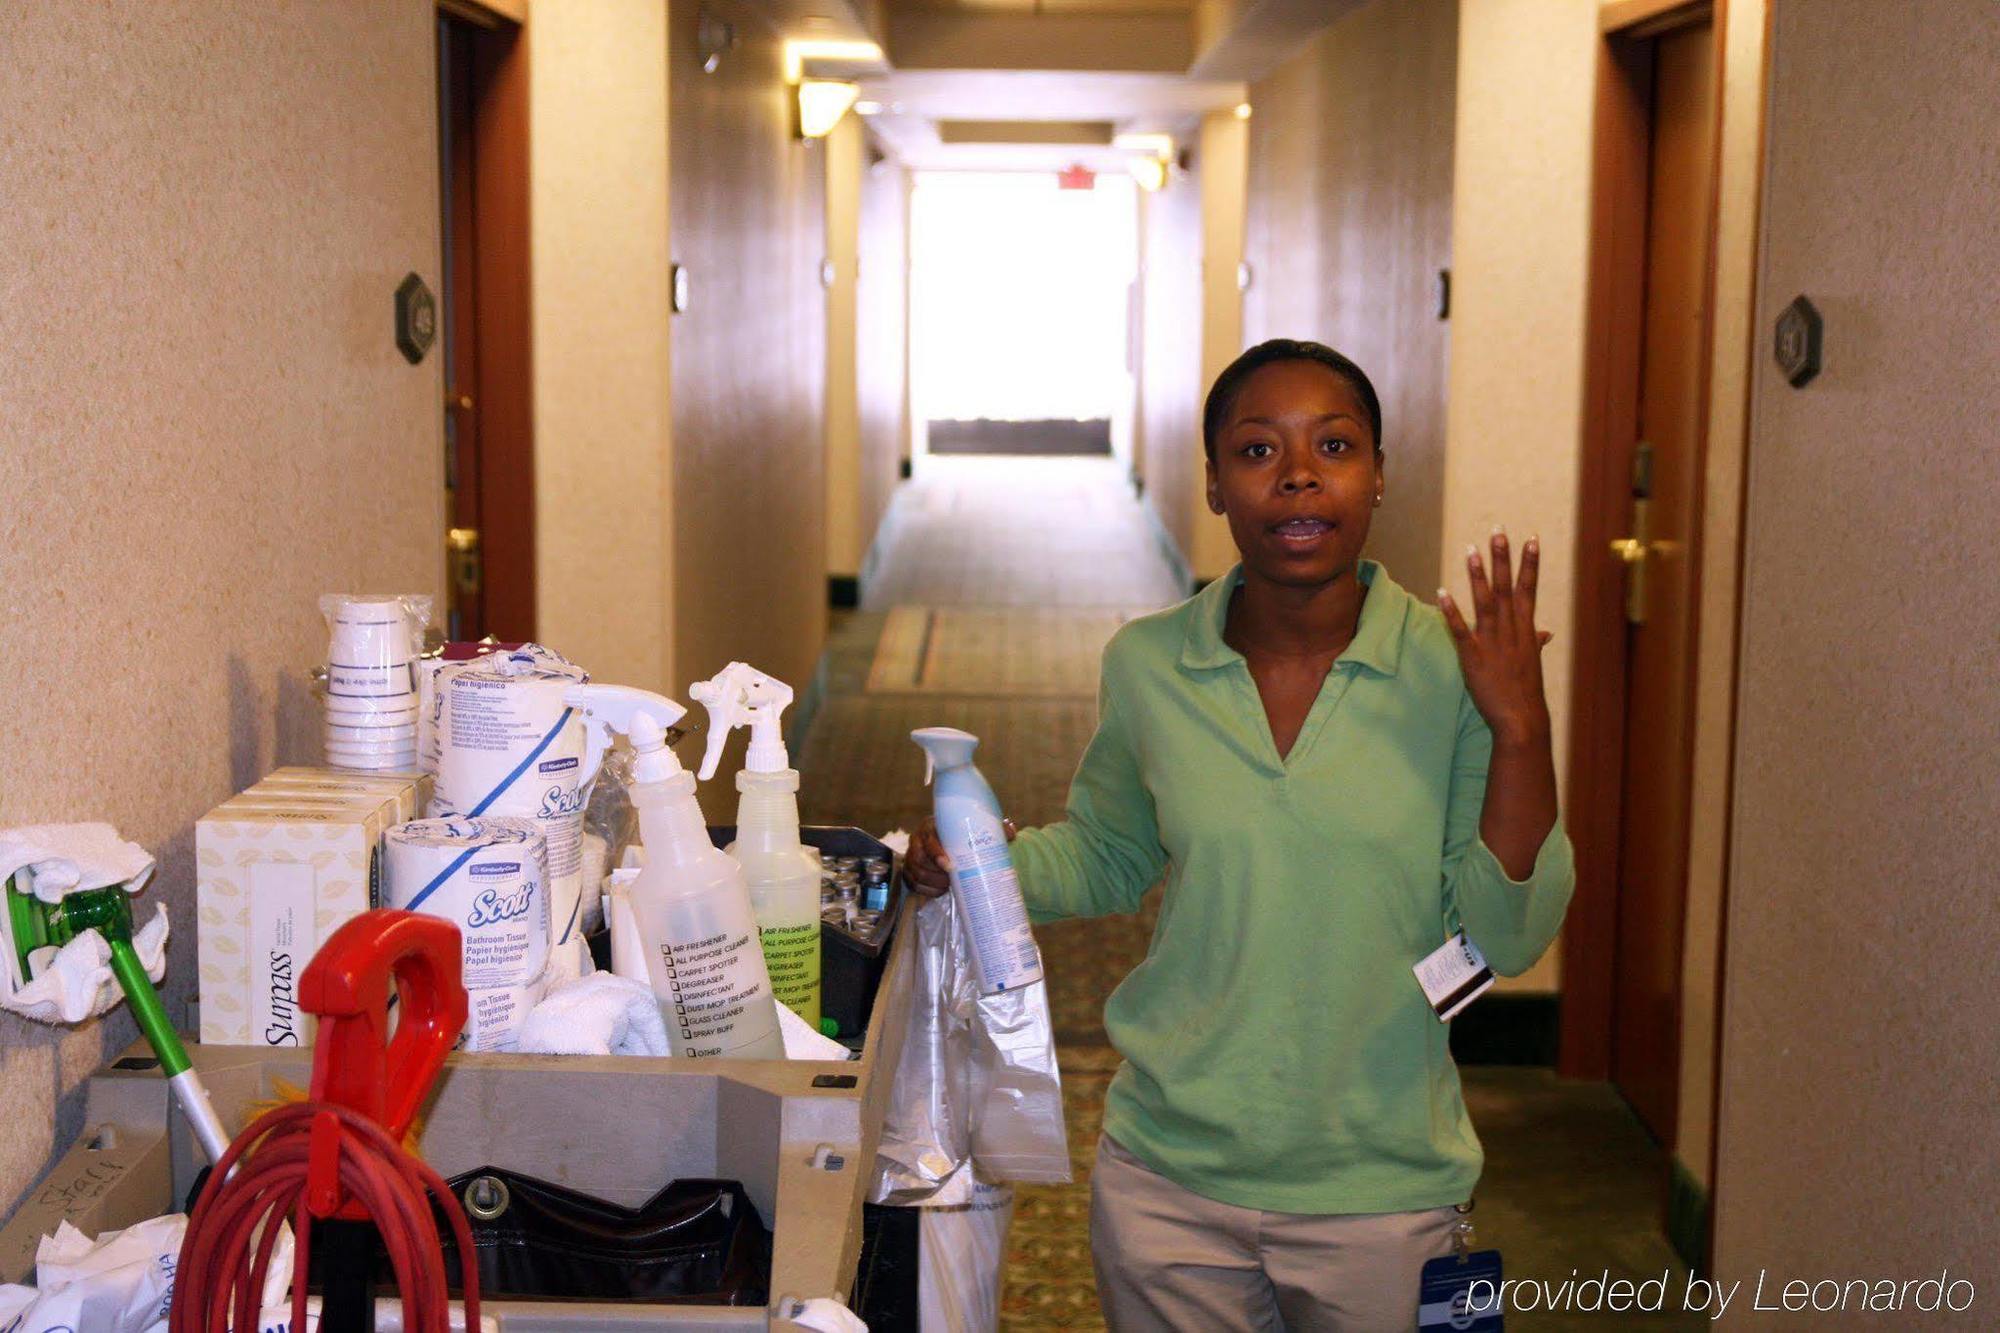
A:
(466, 566)
(1633, 553)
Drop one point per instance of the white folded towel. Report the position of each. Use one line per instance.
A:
(601, 1014)
(65, 858)
(823, 1314)
(75, 982)
(802, 1043)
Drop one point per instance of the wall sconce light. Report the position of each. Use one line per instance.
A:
(1243, 111)
(799, 51)
(822, 102)
(1154, 151)
(711, 38)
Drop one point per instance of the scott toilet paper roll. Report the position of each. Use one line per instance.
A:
(508, 745)
(485, 876)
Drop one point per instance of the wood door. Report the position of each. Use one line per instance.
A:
(1665, 486)
(488, 409)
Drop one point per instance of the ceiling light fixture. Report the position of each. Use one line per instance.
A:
(822, 102)
(1159, 145)
(1243, 111)
(799, 51)
(1152, 154)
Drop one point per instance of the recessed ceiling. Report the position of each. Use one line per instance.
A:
(913, 102)
(1055, 6)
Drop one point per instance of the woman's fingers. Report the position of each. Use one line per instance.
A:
(926, 867)
(1505, 621)
(1531, 577)
(1503, 568)
(1482, 591)
(1454, 620)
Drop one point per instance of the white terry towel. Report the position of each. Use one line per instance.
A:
(601, 1014)
(66, 858)
(823, 1314)
(803, 1043)
(75, 982)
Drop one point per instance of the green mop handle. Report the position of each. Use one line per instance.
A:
(152, 1015)
(109, 912)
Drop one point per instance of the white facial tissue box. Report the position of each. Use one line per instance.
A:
(277, 871)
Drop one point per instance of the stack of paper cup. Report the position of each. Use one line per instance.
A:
(371, 691)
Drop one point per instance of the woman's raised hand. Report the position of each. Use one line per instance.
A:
(1501, 655)
(926, 866)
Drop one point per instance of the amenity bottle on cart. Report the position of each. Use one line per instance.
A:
(982, 870)
(783, 872)
(690, 902)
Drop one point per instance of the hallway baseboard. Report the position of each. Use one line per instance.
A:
(1171, 549)
(1516, 1029)
(1687, 1219)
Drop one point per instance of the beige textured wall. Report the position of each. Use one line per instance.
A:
(597, 73)
(1736, 343)
(749, 456)
(1350, 220)
(1859, 1063)
(1520, 249)
(845, 540)
(1170, 385)
(206, 423)
(1224, 148)
(882, 351)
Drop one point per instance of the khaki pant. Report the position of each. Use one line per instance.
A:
(1168, 1258)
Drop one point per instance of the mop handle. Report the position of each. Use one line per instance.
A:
(166, 1043)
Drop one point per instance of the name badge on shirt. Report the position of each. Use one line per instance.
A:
(1453, 976)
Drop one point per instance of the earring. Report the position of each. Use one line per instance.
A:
(1378, 499)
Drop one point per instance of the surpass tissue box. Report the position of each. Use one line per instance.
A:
(278, 869)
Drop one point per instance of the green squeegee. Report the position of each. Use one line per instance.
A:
(33, 924)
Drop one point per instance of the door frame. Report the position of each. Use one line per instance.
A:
(503, 348)
(1620, 167)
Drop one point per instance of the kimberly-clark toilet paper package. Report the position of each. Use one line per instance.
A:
(485, 876)
(508, 745)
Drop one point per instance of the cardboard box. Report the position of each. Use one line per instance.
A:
(277, 870)
(412, 790)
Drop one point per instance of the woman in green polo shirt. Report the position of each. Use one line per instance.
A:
(1333, 777)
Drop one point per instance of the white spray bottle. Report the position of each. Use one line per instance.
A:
(783, 872)
(690, 903)
(982, 869)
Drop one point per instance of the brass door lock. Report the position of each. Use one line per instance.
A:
(463, 544)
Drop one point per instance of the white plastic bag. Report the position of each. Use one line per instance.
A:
(122, 1282)
(960, 1251)
(977, 1087)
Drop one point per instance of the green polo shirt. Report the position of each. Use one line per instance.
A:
(1278, 1051)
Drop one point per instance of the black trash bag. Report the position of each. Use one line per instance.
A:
(696, 1242)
